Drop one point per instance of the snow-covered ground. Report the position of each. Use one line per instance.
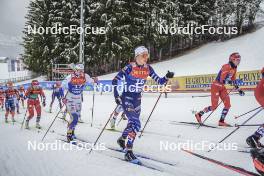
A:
(17, 160)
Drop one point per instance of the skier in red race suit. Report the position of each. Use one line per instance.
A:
(2, 98)
(259, 91)
(227, 75)
(253, 140)
(32, 94)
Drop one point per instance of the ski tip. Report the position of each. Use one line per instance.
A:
(90, 151)
(186, 150)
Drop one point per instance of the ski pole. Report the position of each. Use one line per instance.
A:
(103, 129)
(119, 120)
(232, 132)
(215, 108)
(93, 105)
(65, 114)
(151, 113)
(51, 124)
(54, 119)
(239, 170)
(249, 125)
(199, 96)
(24, 120)
(236, 117)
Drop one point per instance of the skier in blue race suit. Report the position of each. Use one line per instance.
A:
(135, 75)
(75, 84)
(57, 92)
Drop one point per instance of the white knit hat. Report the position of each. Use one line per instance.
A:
(139, 50)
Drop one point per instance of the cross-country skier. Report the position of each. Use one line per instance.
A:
(2, 97)
(118, 110)
(227, 75)
(11, 94)
(135, 75)
(258, 160)
(32, 94)
(75, 84)
(253, 140)
(22, 92)
(57, 92)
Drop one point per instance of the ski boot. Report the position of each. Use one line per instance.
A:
(27, 124)
(50, 110)
(6, 121)
(112, 123)
(38, 125)
(124, 116)
(224, 124)
(198, 117)
(13, 120)
(37, 122)
(130, 157)
(253, 141)
(71, 136)
(121, 142)
(80, 120)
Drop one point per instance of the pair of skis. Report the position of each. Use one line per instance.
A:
(149, 166)
(137, 155)
(192, 124)
(78, 142)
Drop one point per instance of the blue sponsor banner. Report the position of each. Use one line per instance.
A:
(101, 86)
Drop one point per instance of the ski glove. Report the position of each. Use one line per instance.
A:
(169, 75)
(241, 92)
(118, 100)
(64, 100)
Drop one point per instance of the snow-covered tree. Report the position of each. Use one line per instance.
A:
(128, 24)
(38, 44)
